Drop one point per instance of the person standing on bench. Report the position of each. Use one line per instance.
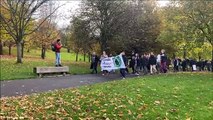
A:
(58, 46)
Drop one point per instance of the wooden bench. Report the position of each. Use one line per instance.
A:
(50, 70)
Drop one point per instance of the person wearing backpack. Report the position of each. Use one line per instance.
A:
(58, 46)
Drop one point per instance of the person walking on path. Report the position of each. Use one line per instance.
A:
(184, 64)
(58, 46)
(152, 62)
(193, 64)
(163, 61)
(123, 70)
(176, 64)
(132, 64)
(137, 64)
(144, 63)
(158, 62)
(208, 65)
(94, 63)
(104, 55)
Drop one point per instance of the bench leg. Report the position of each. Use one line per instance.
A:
(39, 75)
(64, 74)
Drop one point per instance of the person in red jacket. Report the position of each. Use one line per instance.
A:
(58, 46)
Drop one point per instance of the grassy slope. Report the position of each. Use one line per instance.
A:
(173, 96)
(11, 70)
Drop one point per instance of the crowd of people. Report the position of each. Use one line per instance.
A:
(149, 63)
(192, 65)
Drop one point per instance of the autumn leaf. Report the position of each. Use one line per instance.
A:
(188, 118)
(130, 102)
(157, 102)
(140, 116)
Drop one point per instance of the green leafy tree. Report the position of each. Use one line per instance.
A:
(200, 16)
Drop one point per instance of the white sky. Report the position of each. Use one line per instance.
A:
(70, 7)
(65, 12)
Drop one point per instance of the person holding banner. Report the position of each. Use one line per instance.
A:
(123, 69)
(103, 56)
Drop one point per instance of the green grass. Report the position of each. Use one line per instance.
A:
(36, 53)
(10, 70)
(173, 96)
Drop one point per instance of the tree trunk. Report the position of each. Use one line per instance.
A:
(199, 57)
(76, 58)
(10, 46)
(19, 52)
(84, 56)
(43, 51)
(89, 57)
(103, 41)
(22, 50)
(184, 53)
(1, 48)
(173, 56)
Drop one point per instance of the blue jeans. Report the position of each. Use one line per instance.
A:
(58, 58)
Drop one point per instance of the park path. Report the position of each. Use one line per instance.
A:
(28, 86)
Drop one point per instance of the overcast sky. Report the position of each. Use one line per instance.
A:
(70, 7)
(66, 11)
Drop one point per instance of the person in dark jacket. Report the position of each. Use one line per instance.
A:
(208, 65)
(123, 70)
(144, 63)
(203, 65)
(199, 65)
(132, 64)
(137, 64)
(176, 64)
(212, 64)
(184, 64)
(152, 63)
(58, 46)
(163, 61)
(94, 63)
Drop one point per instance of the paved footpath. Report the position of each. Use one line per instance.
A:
(28, 86)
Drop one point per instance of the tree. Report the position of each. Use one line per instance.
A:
(17, 24)
(199, 14)
(122, 25)
(44, 36)
(79, 36)
(182, 26)
(141, 29)
(102, 17)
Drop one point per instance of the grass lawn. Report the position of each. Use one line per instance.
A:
(36, 53)
(10, 70)
(173, 96)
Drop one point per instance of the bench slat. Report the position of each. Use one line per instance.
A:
(39, 70)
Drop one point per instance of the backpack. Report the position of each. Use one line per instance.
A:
(53, 47)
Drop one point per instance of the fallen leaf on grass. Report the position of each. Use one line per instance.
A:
(188, 118)
(140, 116)
(129, 112)
(157, 102)
(130, 102)
(143, 107)
(103, 110)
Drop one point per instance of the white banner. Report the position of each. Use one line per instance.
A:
(111, 63)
